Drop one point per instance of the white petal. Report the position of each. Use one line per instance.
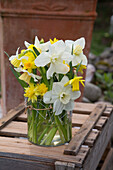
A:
(27, 44)
(83, 59)
(24, 57)
(45, 46)
(76, 60)
(67, 57)
(47, 98)
(64, 80)
(75, 95)
(42, 60)
(17, 50)
(70, 106)
(61, 68)
(50, 71)
(58, 107)
(59, 47)
(54, 97)
(57, 88)
(67, 89)
(69, 44)
(19, 69)
(35, 77)
(37, 42)
(81, 42)
(12, 57)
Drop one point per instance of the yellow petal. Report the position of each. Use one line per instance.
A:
(15, 62)
(25, 77)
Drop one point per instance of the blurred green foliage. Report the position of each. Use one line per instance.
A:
(101, 37)
(105, 82)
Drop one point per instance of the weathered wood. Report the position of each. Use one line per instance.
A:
(104, 156)
(84, 131)
(108, 111)
(91, 139)
(108, 163)
(85, 108)
(101, 122)
(11, 115)
(64, 166)
(25, 148)
(14, 149)
(16, 129)
(19, 129)
(12, 164)
(98, 149)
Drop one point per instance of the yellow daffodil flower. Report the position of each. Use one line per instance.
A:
(53, 41)
(75, 83)
(28, 64)
(82, 67)
(25, 77)
(31, 92)
(42, 89)
(15, 62)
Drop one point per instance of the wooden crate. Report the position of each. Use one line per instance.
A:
(92, 129)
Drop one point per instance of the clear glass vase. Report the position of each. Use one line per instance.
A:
(45, 128)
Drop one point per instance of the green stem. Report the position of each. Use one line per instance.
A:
(43, 74)
(34, 124)
(51, 83)
(61, 127)
(43, 133)
(47, 140)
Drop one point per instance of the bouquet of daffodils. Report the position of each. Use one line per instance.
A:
(48, 71)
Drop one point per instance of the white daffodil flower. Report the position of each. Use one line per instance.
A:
(16, 60)
(14, 56)
(61, 97)
(26, 76)
(77, 53)
(54, 57)
(40, 47)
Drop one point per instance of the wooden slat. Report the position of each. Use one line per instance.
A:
(80, 108)
(84, 108)
(64, 166)
(91, 139)
(98, 149)
(11, 115)
(19, 129)
(84, 131)
(79, 119)
(108, 111)
(25, 148)
(15, 129)
(101, 122)
(22, 117)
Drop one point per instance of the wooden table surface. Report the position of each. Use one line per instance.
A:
(15, 148)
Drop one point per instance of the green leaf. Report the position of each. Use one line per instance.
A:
(6, 54)
(17, 74)
(78, 67)
(36, 51)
